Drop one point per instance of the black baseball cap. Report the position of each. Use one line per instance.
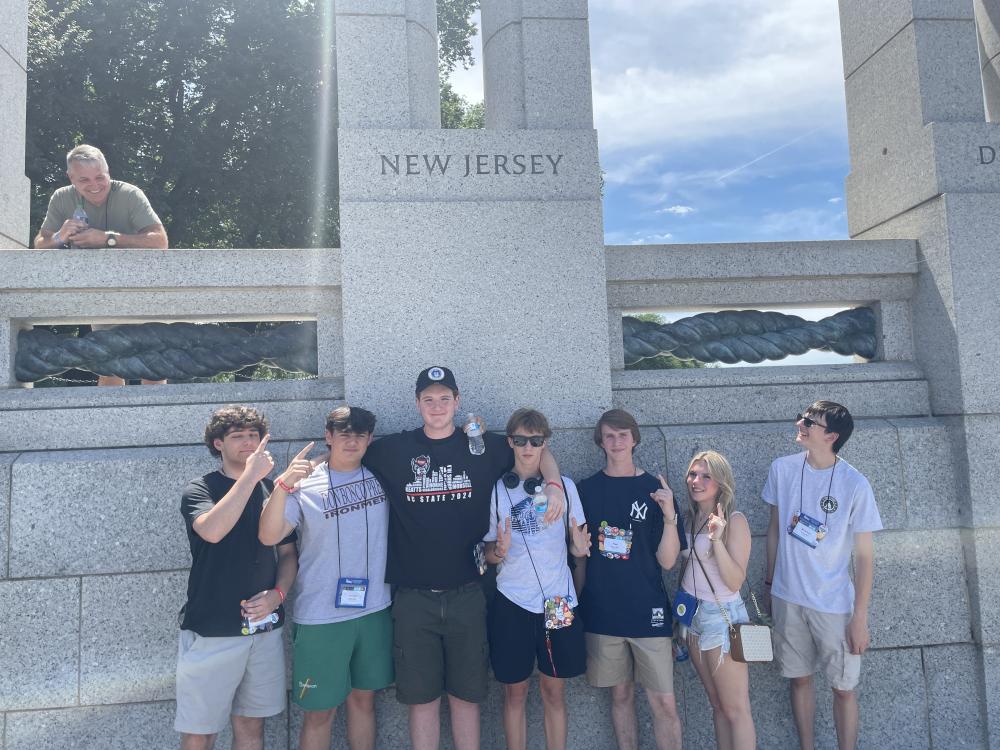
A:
(436, 376)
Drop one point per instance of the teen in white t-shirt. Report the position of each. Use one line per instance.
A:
(822, 511)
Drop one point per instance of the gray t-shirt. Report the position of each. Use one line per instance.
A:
(517, 579)
(126, 209)
(338, 511)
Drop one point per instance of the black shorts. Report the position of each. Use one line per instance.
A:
(439, 644)
(517, 642)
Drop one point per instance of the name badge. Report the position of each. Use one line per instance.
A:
(613, 542)
(352, 592)
(807, 529)
(558, 613)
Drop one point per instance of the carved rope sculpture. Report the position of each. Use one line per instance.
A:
(732, 336)
(155, 351)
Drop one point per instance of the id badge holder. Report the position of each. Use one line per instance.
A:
(558, 613)
(613, 542)
(352, 592)
(259, 626)
(807, 529)
(479, 557)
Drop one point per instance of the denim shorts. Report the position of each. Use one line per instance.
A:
(711, 628)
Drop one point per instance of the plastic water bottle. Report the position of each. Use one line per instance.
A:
(541, 504)
(78, 215)
(680, 651)
(477, 446)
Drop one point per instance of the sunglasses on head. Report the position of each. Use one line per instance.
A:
(809, 422)
(519, 441)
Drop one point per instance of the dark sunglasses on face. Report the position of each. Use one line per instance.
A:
(808, 422)
(519, 441)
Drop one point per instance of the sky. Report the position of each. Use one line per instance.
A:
(718, 121)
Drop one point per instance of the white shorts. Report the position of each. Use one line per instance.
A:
(216, 677)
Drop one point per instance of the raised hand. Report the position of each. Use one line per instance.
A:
(664, 497)
(716, 523)
(259, 463)
(298, 469)
(580, 540)
(557, 503)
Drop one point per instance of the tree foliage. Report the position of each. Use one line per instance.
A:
(662, 361)
(213, 107)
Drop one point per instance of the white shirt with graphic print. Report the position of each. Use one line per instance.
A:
(818, 578)
(548, 548)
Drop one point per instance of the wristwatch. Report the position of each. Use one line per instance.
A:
(112, 240)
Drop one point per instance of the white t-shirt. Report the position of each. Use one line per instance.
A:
(331, 511)
(818, 578)
(548, 548)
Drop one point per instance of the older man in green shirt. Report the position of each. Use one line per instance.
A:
(117, 213)
(96, 211)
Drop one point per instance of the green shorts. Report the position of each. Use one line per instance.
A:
(335, 658)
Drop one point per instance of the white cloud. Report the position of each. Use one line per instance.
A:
(677, 210)
(669, 73)
(801, 224)
(835, 200)
(651, 239)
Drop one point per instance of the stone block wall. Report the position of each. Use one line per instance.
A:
(95, 557)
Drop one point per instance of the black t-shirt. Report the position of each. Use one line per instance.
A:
(439, 504)
(625, 597)
(236, 567)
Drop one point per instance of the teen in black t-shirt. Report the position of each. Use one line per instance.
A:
(231, 661)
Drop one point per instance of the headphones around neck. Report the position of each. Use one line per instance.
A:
(511, 480)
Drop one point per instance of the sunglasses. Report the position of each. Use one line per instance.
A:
(519, 441)
(808, 422)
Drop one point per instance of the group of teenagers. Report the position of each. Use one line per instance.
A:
(383, 546)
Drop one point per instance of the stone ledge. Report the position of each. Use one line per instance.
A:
(755, 260)
(710, 377)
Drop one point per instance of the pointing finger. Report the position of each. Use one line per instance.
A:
(572, 520)
(262, 446)
(663, 482)
(718, 509)
(304, 452)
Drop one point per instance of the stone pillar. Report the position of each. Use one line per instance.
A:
(924, 166)
(14, 186)
(482, 250)
(536, 55)
(391, 80)
(988, 26)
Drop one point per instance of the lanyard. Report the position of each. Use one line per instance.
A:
(523, 537)
(802, 476)
(364, 492)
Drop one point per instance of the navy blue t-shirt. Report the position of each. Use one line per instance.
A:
(625, 596)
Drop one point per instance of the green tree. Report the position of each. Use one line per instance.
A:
(216, 108)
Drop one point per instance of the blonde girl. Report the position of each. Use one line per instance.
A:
(719, 546)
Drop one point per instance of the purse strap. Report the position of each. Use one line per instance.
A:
(725, 614)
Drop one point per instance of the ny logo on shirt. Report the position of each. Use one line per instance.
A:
(638, 512)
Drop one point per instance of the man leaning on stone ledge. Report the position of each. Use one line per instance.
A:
(95, 211)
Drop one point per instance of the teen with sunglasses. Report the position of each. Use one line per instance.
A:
(822, 511)
(532, 619)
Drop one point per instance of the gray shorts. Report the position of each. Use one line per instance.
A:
(216, 677)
